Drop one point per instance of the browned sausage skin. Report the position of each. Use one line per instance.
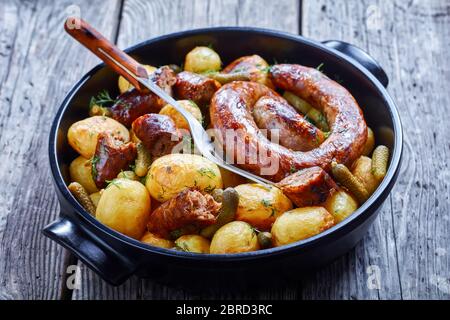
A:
(133, 103)
(308, 187)
(189, 207)
(157, 132)
(195, 87)
(295, 132)
(111, 156)
(232, 107)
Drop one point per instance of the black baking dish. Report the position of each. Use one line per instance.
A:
(116, 257)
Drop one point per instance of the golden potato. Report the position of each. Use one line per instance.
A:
(95, 197)
(80, 171)
(260, 206)
(234, 237)
(173, 173)
(299, 224)
(340, 204)
(362, 170)
(154, 240)
(128, 174)
(192, 243)
(202, 59)
(124, 85)
(82, 135)
(125, 206)
(231, 179)
(370, 143)
(179, 120)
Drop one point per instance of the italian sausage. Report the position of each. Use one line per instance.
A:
(132, 104)
(189, 207)
(294, 131)
(157, 132)
(233, 104)
(195, 87)
(111, 156)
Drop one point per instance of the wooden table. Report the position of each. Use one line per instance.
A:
(410, 240)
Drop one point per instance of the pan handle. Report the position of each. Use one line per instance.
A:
(360, 56)
(108, 52)
(112, 266)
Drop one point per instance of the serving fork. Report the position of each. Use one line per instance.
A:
(138, 76)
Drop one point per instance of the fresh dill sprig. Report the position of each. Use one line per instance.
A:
(113, 182)
(320, 67)
(102, 99)
(266, 203)
(94, 161)
(207, 172)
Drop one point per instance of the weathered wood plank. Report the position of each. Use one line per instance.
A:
(144, 19)
(38, 63)
(410, 240)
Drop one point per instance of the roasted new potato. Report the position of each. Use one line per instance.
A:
(370, 142)
(234, 237)
(154, 240)
(192, 243)
(95, 197)
(173, 173)
(125, 207)
(179, 120)
(202, 59)
(82, 135)
(124, 85)
(80, 171)
(260, 206)
(299, 224)
(362, 170)
(340, 204)
(254, 66)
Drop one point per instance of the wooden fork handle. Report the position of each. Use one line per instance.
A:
(85, 34)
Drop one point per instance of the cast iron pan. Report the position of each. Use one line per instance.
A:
(116, 257)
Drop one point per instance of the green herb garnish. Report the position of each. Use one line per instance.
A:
(94, 161)
(113, 182)
(209, 189)
(266, 203)
(182, 247)
(207, 172)
(320, 67)
(102, 99)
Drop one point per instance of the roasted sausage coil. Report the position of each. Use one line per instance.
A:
(236, 106)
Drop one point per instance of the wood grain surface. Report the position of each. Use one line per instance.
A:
(408, 245)
(409, 242)
(39, 65)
